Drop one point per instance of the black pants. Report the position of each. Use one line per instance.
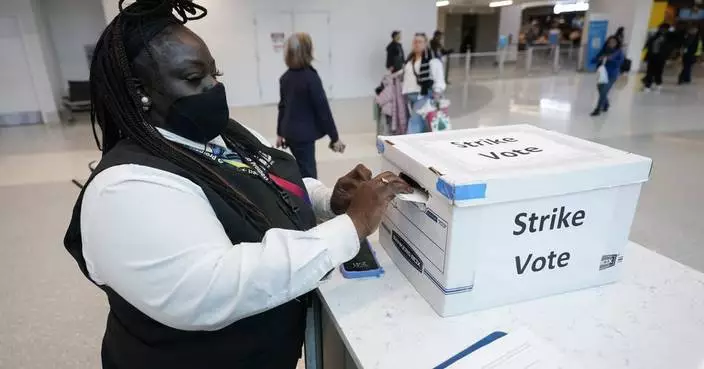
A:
(656, 67)
(686, 75)
(304, 152)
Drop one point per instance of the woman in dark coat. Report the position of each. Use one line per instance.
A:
(304, 112)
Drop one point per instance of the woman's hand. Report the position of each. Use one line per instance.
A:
(346, 187)
(371, 199)
(337, 146)
(281, 142)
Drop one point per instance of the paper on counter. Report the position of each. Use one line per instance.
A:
(519, 349)
(416, 196)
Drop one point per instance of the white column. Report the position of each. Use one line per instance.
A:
(510, 26)
(634, 16)
(639, 33)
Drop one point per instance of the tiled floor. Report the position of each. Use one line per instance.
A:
(51, 317)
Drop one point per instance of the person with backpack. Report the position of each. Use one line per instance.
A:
(620, 36)
(610, 59)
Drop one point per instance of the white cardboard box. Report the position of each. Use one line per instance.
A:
(513, 213)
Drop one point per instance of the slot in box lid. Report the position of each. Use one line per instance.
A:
(508, 163)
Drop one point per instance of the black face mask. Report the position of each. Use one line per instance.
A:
(200, 117)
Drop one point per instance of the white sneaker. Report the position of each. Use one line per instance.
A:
(646, 89)
(658, 89)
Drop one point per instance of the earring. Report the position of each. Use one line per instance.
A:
(146, 103)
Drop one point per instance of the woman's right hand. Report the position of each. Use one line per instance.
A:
(371, 200)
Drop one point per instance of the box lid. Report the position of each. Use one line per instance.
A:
(508, 163)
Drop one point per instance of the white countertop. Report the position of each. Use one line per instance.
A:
(652, 318)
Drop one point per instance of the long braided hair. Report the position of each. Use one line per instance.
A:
(116, 105)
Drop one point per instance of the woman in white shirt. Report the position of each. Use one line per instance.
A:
(423, 79)
(204, 239)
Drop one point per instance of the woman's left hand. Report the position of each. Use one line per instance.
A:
(346, 187)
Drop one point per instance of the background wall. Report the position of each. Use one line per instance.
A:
(73, 24)
(359, 33)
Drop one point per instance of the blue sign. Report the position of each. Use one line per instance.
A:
(598, 29)
(691, 14)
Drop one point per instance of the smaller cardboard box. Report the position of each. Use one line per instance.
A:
(512, 213)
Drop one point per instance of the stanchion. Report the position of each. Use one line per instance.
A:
(467, 63)
(529, 59)
(502, 61)
(556, 59)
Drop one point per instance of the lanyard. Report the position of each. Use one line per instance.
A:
(248, 166)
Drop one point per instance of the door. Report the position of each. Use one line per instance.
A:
(317, 25)
(272, 30)
(18, 94)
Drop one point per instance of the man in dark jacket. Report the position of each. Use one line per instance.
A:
(690, 46)
(659, 49)
(394, 53)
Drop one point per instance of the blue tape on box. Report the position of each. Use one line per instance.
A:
(459, 193)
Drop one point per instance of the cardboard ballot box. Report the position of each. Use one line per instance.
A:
(511, 213)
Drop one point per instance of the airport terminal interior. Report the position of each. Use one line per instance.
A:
(51, 316)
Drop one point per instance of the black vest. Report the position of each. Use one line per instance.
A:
(270, 340)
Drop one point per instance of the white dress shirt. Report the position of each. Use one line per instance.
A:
(437, 74)
(153, 238)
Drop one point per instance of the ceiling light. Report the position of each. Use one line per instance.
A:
(496, 4)
(569, 8)
(440, 3)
